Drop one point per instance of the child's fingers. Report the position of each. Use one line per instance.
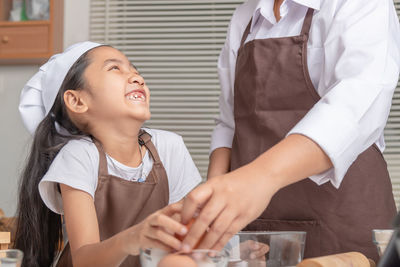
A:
(177, 217)
(169, 224)
(163, 237)
(172, 209)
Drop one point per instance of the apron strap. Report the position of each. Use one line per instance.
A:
(246, 33)
(307, 22)
(145, 139)
(304, 30)
(103, 169)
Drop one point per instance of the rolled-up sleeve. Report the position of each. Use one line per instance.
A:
(361, 70)
(222, 135)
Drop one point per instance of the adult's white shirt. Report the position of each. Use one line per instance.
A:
(353, 60)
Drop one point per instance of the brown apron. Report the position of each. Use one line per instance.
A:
(273, 92)
(114, 197)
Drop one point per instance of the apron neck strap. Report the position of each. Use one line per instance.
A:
(304, 30)
(246, 33)
(103, 169)
(145, 139)
(307, 22)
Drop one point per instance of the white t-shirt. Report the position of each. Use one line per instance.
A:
(77, 165)
(353, 58)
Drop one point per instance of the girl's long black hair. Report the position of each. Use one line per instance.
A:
(39, 230)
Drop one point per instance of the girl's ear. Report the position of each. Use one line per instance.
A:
(74, 101)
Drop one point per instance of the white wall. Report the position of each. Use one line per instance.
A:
(76, 21)
(14, 139)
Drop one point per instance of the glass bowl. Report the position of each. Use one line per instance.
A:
(266, 248)
(198, 257)
(11, 258)
(381, 238)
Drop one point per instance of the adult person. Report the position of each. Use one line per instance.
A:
(306, 89)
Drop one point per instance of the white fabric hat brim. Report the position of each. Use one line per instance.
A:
(39, 93)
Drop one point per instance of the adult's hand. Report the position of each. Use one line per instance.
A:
(227, 203)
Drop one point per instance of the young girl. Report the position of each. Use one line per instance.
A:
(93, 163)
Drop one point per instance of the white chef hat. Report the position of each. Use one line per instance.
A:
(39, 93)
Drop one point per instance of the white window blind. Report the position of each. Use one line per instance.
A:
(175, 45)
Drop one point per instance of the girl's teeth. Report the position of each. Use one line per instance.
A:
(135, 97)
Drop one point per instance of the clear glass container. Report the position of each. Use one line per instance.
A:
(381, 238)
(11, 258)
(261, 249)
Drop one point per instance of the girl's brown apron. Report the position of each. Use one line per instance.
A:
(120, 203)
(272, 92)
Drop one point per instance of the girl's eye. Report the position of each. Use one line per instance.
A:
(115, 67)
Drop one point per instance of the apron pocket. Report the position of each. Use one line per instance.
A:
(311, 227)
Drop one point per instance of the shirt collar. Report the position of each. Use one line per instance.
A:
(314, 4)
(265, 8)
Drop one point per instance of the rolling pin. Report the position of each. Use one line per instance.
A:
(348, 259)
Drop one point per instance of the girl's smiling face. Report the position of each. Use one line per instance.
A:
(115, 89)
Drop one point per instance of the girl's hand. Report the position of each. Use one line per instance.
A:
(156, 231)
